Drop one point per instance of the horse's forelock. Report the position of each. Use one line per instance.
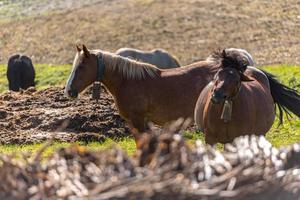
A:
(230, 59)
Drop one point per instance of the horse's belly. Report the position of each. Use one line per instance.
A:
(166, 111)
(164, 116)
(252, 122)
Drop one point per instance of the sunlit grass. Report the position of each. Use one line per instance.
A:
(126, 144)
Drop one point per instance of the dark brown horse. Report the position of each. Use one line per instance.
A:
(241, 102)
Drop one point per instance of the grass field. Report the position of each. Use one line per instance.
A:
(56, 75)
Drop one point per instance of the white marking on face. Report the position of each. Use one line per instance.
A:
(71, 77)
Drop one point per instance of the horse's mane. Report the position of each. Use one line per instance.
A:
(129, 68)
(230, 59)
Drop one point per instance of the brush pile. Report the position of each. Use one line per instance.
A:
(165, 167)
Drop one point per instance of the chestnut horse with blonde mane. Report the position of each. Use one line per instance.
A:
(142, 92)
(241, 102)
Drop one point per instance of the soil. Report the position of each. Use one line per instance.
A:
(190, 29)
(35, 116)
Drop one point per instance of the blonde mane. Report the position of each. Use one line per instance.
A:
(129, 68)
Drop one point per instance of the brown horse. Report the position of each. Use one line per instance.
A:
(142, 92)
(238, 103)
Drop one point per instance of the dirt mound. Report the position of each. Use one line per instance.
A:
(34, 116)
(249, 168)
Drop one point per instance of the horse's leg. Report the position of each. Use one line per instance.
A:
(208, 138)
(138, 125)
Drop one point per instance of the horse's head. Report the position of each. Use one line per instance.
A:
(227, 83)
(84, 72)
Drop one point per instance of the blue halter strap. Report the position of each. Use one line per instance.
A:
(100, 68)
(99, 77)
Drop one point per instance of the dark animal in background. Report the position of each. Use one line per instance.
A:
(20, 72)
(158, 57)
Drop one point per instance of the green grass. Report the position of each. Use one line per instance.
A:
(50, 75)
(126, 144)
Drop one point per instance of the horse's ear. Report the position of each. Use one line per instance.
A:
(245, 78)
(78, 48)
(85, 51)
(224, 54)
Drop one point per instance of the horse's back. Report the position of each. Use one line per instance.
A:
(158, 57)
(259, 77)
(165, 59)
(127, 52)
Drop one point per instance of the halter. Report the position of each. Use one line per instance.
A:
(227, 106)
(236, 94)
(99, 77)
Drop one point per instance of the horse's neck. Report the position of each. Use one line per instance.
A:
(115, 75)
(112, 81)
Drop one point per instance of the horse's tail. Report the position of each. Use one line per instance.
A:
(286, 99)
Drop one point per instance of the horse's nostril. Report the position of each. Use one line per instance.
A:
(72, 93)
(217, 97)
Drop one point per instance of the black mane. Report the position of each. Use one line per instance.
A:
(230, 59)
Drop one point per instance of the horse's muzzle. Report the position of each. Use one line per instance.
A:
(73, 93)
(217, 97)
